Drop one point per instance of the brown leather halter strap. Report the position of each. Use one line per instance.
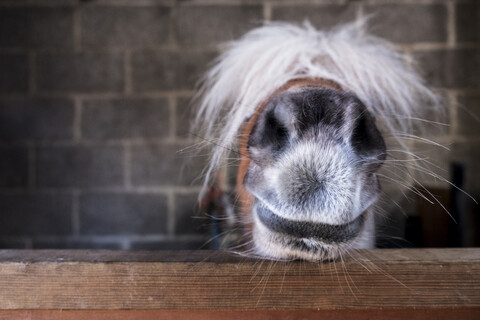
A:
(245, 198)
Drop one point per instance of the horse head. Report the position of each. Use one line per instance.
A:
(308, 112)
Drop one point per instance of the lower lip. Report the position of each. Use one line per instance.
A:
(304, 229)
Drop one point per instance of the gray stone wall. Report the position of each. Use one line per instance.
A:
(94, 98)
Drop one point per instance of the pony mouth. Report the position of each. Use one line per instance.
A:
(311, 231)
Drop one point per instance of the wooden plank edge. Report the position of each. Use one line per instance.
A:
(372, 314)
(428, 255)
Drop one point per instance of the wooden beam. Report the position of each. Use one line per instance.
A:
(408, 279)
(356, 314)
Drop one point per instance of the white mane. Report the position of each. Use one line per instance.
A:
(264, 59)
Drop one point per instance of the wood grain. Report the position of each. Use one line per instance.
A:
(406, 279)
(370, 314)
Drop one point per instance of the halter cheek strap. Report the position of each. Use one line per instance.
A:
(244, 197)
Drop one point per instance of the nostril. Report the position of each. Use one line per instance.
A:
(277, 132)
(269, 132)
(366, 140)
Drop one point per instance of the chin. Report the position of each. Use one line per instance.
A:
(275, 245)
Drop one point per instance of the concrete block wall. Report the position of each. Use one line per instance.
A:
(94, 98)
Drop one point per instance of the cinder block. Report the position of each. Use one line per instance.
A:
(189, 219)
(165, 165)
(80, 166)
(80, 72)
(406, 23)
(468, 115)
(183, 115)
(435, 120)
(125, 118)
(211, 24)
(156, 71)
(123, 213)
(468, 21)
(125, 26)
(456, 68)
(13, 167)
(14, 27)
(37, 27)
(35, 214)
(14, 73)
(320, 16)
(39, 119)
